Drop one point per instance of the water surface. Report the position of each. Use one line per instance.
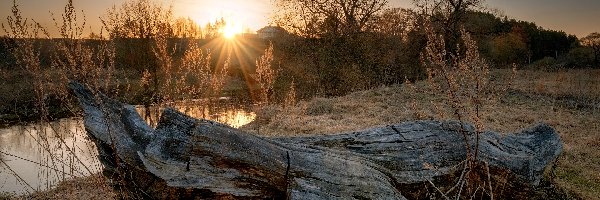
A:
(38, 156)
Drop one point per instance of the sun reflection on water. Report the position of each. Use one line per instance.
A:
(231, 115)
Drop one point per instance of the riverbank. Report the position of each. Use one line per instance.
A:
(569, 101)
(89, 188)
(19, 102)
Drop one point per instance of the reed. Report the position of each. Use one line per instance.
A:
(266, 75)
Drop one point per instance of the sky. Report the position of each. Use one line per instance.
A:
(578, 17)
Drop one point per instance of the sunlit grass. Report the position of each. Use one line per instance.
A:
(520, 108)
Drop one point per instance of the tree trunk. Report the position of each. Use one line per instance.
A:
(187, 157)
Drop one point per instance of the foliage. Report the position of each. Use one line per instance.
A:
(335, 66)
(580, 57)
(396, 22)
(146, 35)
(291, 99)
(593, 41)
(508, 48)
(86, 61)
(195, 73)
(26, 53)
(501, 40)
(547, 63)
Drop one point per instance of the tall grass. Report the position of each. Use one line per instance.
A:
(94, 63)
(70, 56)
(195, 73)
(290, 98)
(266, 75)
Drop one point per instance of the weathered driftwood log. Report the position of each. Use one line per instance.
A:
(184, 156)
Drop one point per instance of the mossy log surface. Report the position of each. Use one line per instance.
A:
(187, 157)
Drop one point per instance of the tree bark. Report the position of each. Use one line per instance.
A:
(186, 157)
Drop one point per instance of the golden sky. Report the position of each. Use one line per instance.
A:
(579, 17)
(252, 14)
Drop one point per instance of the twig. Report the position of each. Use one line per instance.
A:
(461, 186)
(17, 176)
(474, 193)
(46, 146)
(487, 167)
(460, 179)
(436, 188)
(37, 163)
(287, 171)
(69, 149)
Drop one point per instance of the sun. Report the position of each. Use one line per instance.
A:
(231, 29)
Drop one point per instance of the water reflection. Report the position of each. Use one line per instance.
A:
(233, 114)
(44, 154)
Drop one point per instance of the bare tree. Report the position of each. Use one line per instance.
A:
(449, 12)
(447, 16)
(314, 18)
(593, 41)
(395, 22)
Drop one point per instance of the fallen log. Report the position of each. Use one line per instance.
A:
(187, 157)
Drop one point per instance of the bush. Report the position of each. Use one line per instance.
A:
(337, 66)
(547, 64)
(319, 106)
(580, 57)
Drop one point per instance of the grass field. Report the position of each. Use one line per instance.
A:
(569, 101)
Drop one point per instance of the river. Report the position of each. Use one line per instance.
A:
(38, 156)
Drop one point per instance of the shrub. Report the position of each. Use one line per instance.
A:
(266, 75)
(548, 64)
(461, 78)
(319, 106)
(580, 57)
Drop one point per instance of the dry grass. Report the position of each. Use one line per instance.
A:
(578, 167)
(265, 75)
(91, 187)
(579, 84)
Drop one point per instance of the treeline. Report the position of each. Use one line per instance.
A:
(504, 41)
(335, 51)
(333, 48)
(144, 51)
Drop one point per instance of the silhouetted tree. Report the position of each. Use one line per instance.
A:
(447, 17)
(212, 30)
(317, 18)
(593, 41)
(395, 22)
(508, 48)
